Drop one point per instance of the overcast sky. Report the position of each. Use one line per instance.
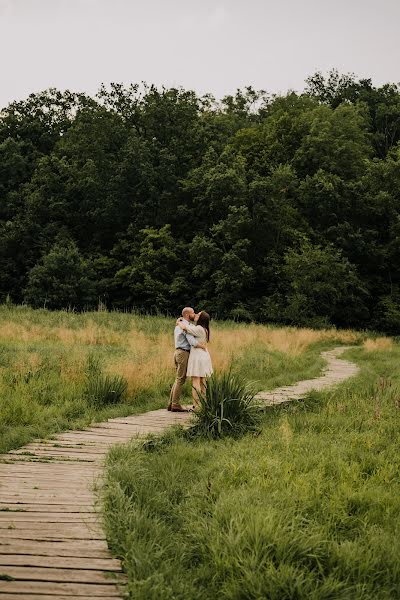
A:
(207, 45)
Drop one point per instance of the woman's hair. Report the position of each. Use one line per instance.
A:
(204, 321)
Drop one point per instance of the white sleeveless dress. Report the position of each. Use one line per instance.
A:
(199, 363)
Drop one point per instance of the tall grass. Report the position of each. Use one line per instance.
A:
(43, 382)
(308, 509)
(228, 407)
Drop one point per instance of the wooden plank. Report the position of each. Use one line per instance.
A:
(47, 478)
(77, 455)
(66, 445)
(52, 589)
(90, 432)
(16, 460)
(140, 421)
(54, 440)
(45, 460)
(49, 534)
(73, 549)
(58, 575)
(57, 457)
(122, 426)
(80, 527)
(51, 471)
(36, 482)
(15, 471)
(42, 468)
(36, 491)
(43, 506)
(50, 450)
(43, 499)
(28, 467)
(20, 500)
(52, 474)
(101, 438)
(113, 438)
(29, 596)
(7, 543)
(60, 562)
(58, 527)
(16, 486)
(44, 517)
(66, 493)
(31, 482)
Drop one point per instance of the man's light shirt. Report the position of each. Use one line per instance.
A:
(183, 340)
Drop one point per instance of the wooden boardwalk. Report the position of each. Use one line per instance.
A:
(51, 543)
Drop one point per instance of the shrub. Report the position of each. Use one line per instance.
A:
(228, 407)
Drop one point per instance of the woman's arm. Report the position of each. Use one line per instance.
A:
(190, 336)
(195, 330)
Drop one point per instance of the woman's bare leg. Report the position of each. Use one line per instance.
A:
(203, 386)
(196, 390)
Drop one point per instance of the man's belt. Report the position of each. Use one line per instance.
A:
(183, 349)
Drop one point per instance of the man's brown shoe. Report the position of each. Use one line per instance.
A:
(169, 406)
(177, 408)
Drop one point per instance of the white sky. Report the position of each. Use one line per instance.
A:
(207, 45)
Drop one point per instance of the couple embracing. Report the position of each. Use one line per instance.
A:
(192, 359)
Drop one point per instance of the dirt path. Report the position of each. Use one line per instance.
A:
(51, 543)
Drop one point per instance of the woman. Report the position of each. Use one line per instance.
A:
(199, 363)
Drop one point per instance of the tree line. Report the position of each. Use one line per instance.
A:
(280, 208)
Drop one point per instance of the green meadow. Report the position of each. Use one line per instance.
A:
(307, 507)
(304, 507)
(46, 360)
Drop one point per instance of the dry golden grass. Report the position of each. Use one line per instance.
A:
(381, 344)
(148, 359)
(288, 340)
(296, 341)
(16, 332)
(151, 359)
(91, 334)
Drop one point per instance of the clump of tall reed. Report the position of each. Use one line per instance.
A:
(228, 407)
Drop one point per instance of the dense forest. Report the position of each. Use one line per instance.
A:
(256, 207)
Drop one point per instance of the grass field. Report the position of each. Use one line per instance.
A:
(44, 359)
(307, 509)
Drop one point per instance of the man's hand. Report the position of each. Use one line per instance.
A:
(202, 346)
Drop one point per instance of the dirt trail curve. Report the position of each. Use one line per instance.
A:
(51, 543)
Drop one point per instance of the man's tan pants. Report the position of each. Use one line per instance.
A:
(181, 358)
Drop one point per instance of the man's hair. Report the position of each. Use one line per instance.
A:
(186, 310)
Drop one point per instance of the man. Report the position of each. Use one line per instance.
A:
(183, 343)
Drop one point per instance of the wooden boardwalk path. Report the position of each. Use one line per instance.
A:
(51, 543)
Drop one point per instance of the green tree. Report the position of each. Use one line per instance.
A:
(383, 104)
(322, 287)
(336, 141)
(61, 279)
(221, 267)
(153, 278)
